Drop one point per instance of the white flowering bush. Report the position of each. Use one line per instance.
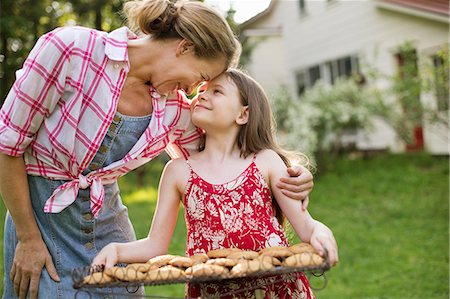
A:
(316, 121)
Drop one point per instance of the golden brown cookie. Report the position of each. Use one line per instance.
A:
(116, 272)
(276, 251)
(244, 254)
(161, 260)
(222, 261)
(217, 253)
(304, 259)
(125, 274)
(164, 273)
(181, 261)
(97, 278)
(200, 270)
(141, 267)
(302, 247)
(246, 267)
(269, 259)
(199, 258)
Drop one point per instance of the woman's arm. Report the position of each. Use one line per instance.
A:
(15, 193)
(296, 184)
(164, 221)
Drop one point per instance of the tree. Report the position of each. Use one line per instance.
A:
(22, 22)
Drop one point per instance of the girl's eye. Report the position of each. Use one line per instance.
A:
(217, 91)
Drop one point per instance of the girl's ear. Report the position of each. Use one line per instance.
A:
(242, 118)
(185, 47)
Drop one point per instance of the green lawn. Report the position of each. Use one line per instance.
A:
(389, 214)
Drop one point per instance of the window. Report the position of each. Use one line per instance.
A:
(441, 82)
(314, 75)
(301, 5)
(301, 83)
(328, 72)
(307, 78)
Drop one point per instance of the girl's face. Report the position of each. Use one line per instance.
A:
(185, 71)
(218, 105)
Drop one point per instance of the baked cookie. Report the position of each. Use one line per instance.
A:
(224, 252)
(141, 267)
(124, 274)
(244, 254)
(304, 259)
(97, 278)
(276, 251)
(200, 270)
(302, 247)
(161, 260)
(164, 273)
(246, 267)
(269, 259)
(222, 261)
(199, 258)
(181, 261)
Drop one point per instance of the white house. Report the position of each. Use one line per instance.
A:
(302, 41)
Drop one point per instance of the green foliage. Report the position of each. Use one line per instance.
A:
(402, 103)
(23, 22)
(323, 114)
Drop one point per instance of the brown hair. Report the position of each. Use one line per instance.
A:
(259, 132)
(194, 21)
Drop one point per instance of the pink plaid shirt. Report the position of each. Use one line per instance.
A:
(62, 103)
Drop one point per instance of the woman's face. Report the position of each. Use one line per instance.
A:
(185, 71)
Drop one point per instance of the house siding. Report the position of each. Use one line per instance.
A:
(326, 31)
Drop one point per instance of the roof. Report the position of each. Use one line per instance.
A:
(258, 16)
(434, 6)
(437, 10)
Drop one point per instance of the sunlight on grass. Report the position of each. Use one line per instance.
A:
(148, 194)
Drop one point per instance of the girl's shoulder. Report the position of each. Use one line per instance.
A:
(267, 156)
(267, 160)
(177, 165)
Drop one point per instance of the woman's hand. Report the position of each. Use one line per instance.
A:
(108, 256)
(322, 239)
(298, 184)
(30, 257)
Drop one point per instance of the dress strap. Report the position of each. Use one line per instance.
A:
(189, 164)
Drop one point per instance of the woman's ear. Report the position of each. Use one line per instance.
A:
(242, 118)
(185, 47)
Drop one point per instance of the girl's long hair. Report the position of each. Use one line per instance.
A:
(259, 133)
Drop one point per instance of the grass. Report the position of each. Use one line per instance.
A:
(389, 214)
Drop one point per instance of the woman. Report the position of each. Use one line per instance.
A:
(86, 108)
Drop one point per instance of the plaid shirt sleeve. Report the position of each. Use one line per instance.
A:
(188, 139)
(38, 87)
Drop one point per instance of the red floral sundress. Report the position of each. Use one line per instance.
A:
(237, 214)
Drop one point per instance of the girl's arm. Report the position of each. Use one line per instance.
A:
(308, 229)
(158, 239)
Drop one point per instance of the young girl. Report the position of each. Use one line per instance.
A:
(227, 191)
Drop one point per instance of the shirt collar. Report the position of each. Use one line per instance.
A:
(116, 47)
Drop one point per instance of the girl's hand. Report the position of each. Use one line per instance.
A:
(108, 256)
(298, 184)
(323, 241)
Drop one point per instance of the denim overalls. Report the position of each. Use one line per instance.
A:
(73, 236)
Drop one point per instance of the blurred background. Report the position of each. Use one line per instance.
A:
(361, 87)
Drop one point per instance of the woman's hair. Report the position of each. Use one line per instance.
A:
(259, 132)
(194, 21)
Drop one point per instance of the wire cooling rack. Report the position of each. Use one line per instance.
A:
(133, 279)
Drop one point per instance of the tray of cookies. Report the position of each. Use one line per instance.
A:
(215, 265)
